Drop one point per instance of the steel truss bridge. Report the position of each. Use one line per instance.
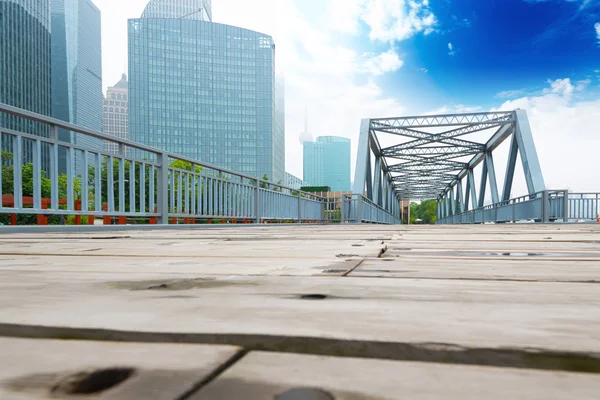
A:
(427, 157)
(439, 157)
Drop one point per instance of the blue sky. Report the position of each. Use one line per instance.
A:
(497, 46)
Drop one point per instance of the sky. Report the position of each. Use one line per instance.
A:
(344, 60)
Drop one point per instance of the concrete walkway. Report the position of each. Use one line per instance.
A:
(378, 312)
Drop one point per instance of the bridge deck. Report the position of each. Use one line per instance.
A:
(463, 312)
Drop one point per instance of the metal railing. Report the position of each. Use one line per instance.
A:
(584, 207)
(547, 206)
(54, 177)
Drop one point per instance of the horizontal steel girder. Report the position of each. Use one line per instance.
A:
(424, 174)
(443, 137)
(440, 150)
(445, 120)
(424, 138)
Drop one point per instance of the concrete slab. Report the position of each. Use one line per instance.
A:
(473, 269)
(324, 290)
(261, 375)
(474, 314)
(45, 369)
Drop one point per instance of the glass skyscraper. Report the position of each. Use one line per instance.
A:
(206, 91)
(77, 70)
(25, 62)
(185, 9)
(327, 163)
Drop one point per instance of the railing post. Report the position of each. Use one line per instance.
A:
(163, 189)
(359, 205)
(257, 201)
(299, 208)
(342, 209)
(545, 207)
(566, 207)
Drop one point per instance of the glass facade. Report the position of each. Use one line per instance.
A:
(77, 70)
(185, 9)
(115, 113)
(206, 91)
(327, 163)
(25, 61)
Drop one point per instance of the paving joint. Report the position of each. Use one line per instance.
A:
(441, 353)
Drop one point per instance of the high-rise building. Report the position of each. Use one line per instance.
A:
(25, 62)
(114, 113)
(206, 91)
(184, 9)
(327, 163)
(76, 70)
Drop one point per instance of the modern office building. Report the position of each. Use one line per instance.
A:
(327, 162)
(25, 63)
(76, 70)
(185, 9)
(206, 91)
(114, 113)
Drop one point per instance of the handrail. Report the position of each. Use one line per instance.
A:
(544, 206)
(158, 190)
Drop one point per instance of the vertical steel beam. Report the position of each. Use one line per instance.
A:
(452, 202)
(363, 162)
(377, 181)
(460, 197)
(467, 194)
(471, 180)
(489, 160)
(483, 184)
(510, 168)
(529, 156)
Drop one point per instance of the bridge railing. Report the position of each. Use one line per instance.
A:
(61, 174)
(546, 206)
(359, 209)
(584, 207)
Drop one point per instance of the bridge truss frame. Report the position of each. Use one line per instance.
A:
(433, 166)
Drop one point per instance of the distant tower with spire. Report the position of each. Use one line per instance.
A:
(306, 136)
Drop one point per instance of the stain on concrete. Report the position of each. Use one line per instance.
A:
(177, 284)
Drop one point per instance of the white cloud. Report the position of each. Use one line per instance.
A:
(564, 87)
(565, 133)
(395, 20)
(382, 63)
(597, 27)
(508, 94)
(451, 49)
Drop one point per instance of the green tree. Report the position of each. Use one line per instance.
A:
(8, 183)
(263, 184)
(426, 211)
